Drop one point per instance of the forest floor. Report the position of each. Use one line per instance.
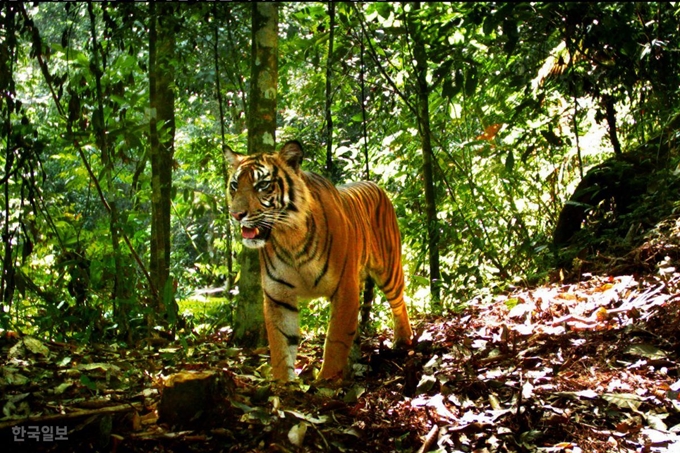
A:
(590, 366)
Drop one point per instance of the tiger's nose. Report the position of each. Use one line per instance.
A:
(238, 215)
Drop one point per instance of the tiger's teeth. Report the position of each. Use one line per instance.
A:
(249, 233)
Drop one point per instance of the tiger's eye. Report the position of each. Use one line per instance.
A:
(233, 185)
(263, 185)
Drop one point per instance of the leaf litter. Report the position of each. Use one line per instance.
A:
(580, 367)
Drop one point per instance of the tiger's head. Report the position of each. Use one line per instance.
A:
(266, 192)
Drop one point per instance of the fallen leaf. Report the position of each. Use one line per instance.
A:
(495, 402)
(588, 394)
(106, 367)
(296, 435)
(624, 400)
(604, 287)
(437, 402)
(354, 394)
(425, 385)
(655, 421)
(61, 388)
(28, 344)
(308, 418)
(520, 310)
(645, 350)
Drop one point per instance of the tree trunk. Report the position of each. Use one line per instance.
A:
(364, 119)
(162, 136)
(330, 168)
(225, 165)
(7, 50)
(249, 329)
(122, 285)
(611, 123)
(263, 78)
(423, 92)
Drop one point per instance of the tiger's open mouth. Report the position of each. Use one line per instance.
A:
(254, 233)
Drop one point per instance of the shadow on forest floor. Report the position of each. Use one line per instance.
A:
(589, 366)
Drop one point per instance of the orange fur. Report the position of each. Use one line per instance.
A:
(316, 240)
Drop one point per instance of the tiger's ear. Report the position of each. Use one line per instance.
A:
(233, 158)
(291, 153)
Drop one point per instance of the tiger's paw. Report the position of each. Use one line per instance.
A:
(403, 342)
(404, 337)
(335, 383)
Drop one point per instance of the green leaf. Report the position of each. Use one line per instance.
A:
(459, 79)
(449, 88)
(307, 417)
(646, 350)
(471, 81)
(61, 388)
(426, 383)
(510, 161)
(512, 303)
(384, 9)
(490, 24)
(87, 382)
(36, 346)
(624, 400)
(512, 36)
(551, 138)
(420, 280)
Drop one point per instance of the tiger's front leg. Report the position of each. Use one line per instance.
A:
(283, 332)
(342, 328)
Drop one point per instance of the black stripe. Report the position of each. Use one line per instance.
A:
(281, 281)
(291, 190)
(312, 254)
(391, 282)
(323, 271)
(280, 250)
(328, 260)
(311, 236)
(399, 305)
(268, 266)
(337, 287)
(282, 188)
(317, 240)
(293, 340)
(281, 304)
(329, 235)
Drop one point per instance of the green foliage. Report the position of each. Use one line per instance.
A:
(512, 85)
(521, 103)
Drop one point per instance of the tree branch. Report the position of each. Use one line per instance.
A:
(383, 72)
(48, 79)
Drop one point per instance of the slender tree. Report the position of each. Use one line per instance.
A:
(249, 314)
(7, 88)
(162, 136)
(425, 132)
(330, 170)
(420, 109)
(122, 291)
(364, 116)
(224, 146)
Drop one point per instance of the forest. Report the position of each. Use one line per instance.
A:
(530, 151)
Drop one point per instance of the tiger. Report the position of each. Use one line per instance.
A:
(315, 240)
